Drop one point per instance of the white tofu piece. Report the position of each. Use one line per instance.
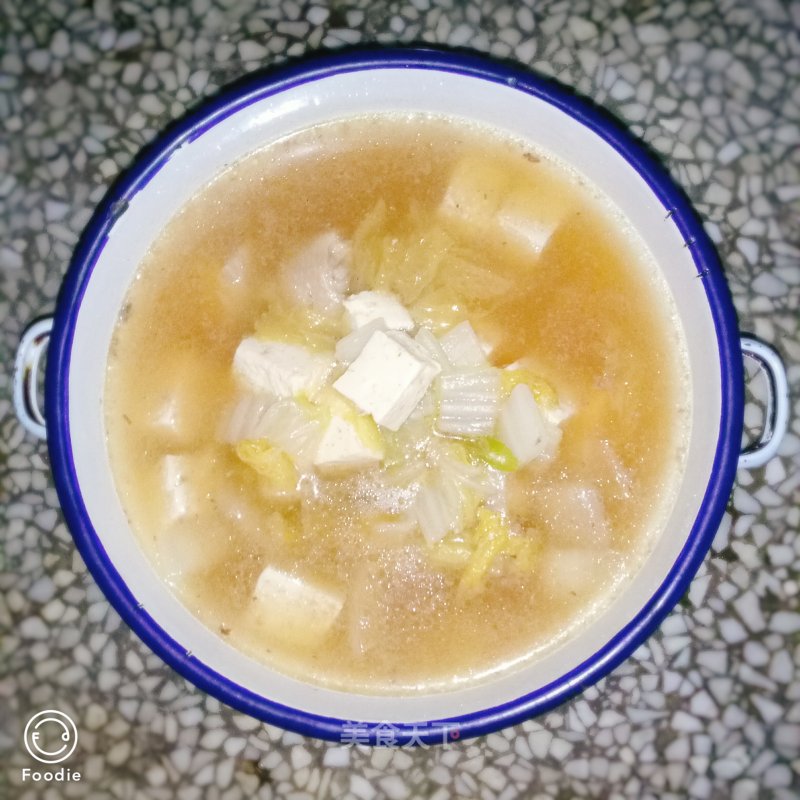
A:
(463, 347)
(319, 275)
(364, 307)
(530, 219)
(522, 427)
(389, 378)
(575, 513)
(234, 270)
(174, 415)
(573, 570)
(341, 448)
(174, 469)
(349, 347)
(433, 347)
(280, 369)
(474, 194)
(183, 484)
(292, 609)
(181, 548)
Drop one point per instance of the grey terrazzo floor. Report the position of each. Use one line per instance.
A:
(710, 707)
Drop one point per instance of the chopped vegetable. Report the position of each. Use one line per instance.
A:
(468, 401)
(368, 432)
(438, 508)
(269, 462)
(278, 368)
(433, 347)
(407, 445)
(244, 417)
(451, 551)
(318, 275)
(439, 309)
(301, 325)
(394, 526)
(491, 538)
(426, 408)
(494, 453)
(290, 427)
(397, 252)
(326, 402)
(485, 486)
(542, 391)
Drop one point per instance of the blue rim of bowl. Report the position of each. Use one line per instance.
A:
(624, 642)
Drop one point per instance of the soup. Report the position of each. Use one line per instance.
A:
(396, 403)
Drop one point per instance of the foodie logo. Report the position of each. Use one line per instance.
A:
(50, 736)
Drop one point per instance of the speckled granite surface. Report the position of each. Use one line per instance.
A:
(710, 707)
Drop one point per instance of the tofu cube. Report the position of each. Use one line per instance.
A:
(476, 191)
(389, 377)
(463, 347)
(530, 218)
(365, 307)
(341, 448)
(176, 416)
(176, 471)
(573, 571)
(180, 481)
(292, 609)
(280, 369)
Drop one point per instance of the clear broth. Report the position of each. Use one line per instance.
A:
(590, 314)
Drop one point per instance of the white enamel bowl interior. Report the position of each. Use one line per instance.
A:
(356, 93)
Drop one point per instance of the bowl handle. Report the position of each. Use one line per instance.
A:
(776, 418)
(26, 372)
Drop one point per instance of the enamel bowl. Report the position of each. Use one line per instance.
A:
(245, 118)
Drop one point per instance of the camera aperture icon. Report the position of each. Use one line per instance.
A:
(50, 736)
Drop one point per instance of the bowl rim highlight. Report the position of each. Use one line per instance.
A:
(256, 88)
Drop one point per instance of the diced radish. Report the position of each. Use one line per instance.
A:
(521, 426)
